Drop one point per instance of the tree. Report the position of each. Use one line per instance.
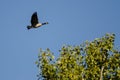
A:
(96, 60)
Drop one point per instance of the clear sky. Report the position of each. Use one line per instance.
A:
(71, 22)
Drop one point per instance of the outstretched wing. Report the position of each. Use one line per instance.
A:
(34, 19)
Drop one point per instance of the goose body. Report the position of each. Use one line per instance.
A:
(34, 21)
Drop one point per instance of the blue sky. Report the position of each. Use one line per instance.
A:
(70, 22)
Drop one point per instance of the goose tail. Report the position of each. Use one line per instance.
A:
(29, 27)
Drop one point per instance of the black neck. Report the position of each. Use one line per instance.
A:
(44, 23)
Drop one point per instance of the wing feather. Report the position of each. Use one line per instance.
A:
(34, 19)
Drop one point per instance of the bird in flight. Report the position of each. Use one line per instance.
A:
(34, 22)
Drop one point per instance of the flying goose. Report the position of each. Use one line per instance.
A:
(34, 22)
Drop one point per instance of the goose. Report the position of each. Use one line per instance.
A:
(34, 22)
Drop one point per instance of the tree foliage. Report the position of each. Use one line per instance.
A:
(96, 60)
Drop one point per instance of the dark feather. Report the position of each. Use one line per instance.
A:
(34, 19)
